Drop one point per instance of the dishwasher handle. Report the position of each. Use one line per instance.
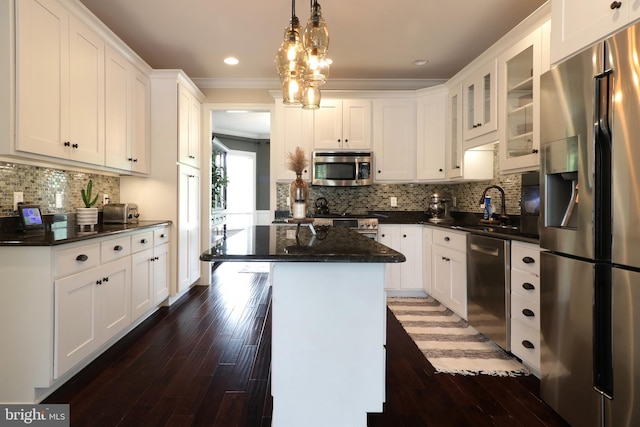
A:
(485, 249)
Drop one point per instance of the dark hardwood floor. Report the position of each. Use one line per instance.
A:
(205, 362)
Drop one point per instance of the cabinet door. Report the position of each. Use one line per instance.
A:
(441, 274)
(427, 259)
(188, 226)
(394, 137)
(480, 101)
(293, 128)
(117, 110)
(115, 297)
(431, 136)
(454, 133)
(579, 23)
(142, 293)
(140, 122)
(389, 235)
(458, 296)
(76, 334)
(86, 100)
(42, 78)
(188, 128)
(411, 246)
(449, 284)
(327, 125)
(356, 124)
(160, 273)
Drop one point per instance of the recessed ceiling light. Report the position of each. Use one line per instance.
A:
(231, 61)
(420, 62)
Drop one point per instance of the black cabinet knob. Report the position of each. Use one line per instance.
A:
(446, 239)
(67, 144)
(74, 145)
(616, 5)
(143, 241)
(117, 248)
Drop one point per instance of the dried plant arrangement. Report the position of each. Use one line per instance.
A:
(297, 161)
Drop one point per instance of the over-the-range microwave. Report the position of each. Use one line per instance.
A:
(342, 168)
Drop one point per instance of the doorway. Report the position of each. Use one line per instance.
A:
(241, 189)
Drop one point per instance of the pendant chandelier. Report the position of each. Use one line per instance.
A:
(302, 61)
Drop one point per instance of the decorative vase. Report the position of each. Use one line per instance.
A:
(86, 216)
(299, 197)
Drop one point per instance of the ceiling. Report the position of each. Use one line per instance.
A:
(373, 42)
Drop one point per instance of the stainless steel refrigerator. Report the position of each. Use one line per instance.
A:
(590, 228)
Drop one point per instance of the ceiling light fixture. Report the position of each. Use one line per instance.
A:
(231, 61)
(302, 61)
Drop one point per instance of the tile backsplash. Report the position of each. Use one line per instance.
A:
(41, 184)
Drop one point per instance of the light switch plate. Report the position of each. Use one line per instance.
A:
(394, 202)
(18, 197)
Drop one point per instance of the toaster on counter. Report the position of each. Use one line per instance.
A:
(120, 213)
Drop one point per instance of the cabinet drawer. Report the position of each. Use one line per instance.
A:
(141, 241)
(525, 343)
(525, 284)
(160, 236)
(450, 239)
(525, 257)
(525, 310)
(78, 258)
(115, 248)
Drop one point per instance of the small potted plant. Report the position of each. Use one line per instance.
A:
(88, 215)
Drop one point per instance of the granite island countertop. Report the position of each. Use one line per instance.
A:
(273, 243)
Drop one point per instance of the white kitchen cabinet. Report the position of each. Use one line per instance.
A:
(431, 134)
(394, 139)
(454, 153)
(188, 227)
(342, 124)
(90, 308)
(449, 270)
(188, 127)
(480, 96)
(59, 84)
(525, 303)
(427, 259)
(519, 89)
(293, 128)
(406, 239)
(579, 23)
(128, 114)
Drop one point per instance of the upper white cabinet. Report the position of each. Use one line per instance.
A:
(342, 124)
(579, 23)
(431, 134)
(293, 128)
(128, 98)
(394, 139)
(480, 101)
(188, 127)
(519, 88)
(59, 84)
(454, 154)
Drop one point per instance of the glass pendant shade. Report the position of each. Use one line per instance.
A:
(291, 91)
(316, 34)
(290, 56)
(317, 71)
(311, 97)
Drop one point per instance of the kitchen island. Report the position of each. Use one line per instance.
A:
(329, 320)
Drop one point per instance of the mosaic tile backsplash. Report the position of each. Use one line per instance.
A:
(40, 185)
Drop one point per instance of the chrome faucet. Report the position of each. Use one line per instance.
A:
(504, 219)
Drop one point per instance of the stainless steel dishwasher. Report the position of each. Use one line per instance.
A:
(489, 287)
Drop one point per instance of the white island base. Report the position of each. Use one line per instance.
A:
(329, 332)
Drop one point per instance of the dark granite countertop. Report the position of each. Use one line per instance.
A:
(62, 232)
(330, 244)
(463, 221)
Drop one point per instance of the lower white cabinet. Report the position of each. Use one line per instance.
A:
(449, 269)
(427, 241)
(406, 239)
(150, 271)
(525, 303)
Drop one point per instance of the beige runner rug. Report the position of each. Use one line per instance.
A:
(449, 343)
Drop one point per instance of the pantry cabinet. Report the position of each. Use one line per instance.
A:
(406, 239)
(394, 139)
(188, 226)
(580, 23)
(342, 124)
(449, 270)
(59, 84)
(188, 127)
(480, 112)
(431, 134)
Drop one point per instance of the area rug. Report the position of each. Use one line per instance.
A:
(449, 343)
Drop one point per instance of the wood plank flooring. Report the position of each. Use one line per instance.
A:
(205, 362)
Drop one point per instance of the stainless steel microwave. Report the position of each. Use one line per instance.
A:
(342, 168)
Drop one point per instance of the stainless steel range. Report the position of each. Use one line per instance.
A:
(365, 225)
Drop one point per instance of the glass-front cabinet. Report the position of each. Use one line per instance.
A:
(480, 106)
(520, 69)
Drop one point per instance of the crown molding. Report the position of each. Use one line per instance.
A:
(332, 84)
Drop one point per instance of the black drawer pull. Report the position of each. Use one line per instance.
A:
(528, 312)
(98, 282)
(143, 241)
(528, 286)
(105, 279)
(528, 260)
(528, 344)
(446, 239)
(117, 248)
(82, 257)
(446, 259)
(616, 5)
